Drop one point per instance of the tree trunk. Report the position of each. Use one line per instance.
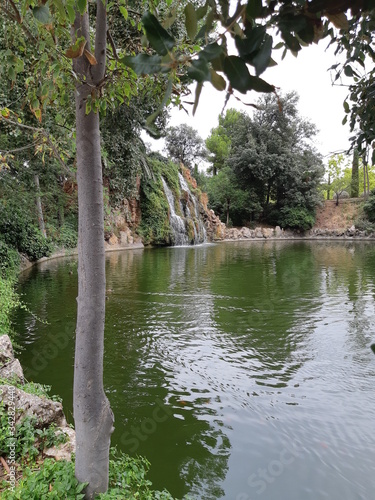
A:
(39, 207)
(92, 413)
(329, 185)
(354, 192)
(364, 177)
(228, 206)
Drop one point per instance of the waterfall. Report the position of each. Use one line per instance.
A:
(188, 228)
(199, 228)
(180, 236)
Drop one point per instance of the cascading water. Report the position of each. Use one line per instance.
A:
(180, 235)
(199, 229)
(188, 229)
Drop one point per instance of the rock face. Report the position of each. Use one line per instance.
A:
(24, 404)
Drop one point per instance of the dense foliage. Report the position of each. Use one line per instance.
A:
(268, 167)
(184, 145)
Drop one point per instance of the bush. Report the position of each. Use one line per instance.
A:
(68, 237)
(9, 259)
(8, 301)
(19, 231)
(296, 218)
(369, 206)
(54, 480)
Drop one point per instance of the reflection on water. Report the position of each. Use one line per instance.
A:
(241, 370)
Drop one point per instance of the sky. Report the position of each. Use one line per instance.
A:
(308, 74)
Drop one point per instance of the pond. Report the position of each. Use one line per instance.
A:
(240, 370)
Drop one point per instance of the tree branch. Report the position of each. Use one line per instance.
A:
(48, 140)
(17, 18)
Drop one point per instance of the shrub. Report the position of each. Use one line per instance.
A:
(55, 480)
(369, 206)
(296, 218)
(8, 301)
(19, 231)
(9, 259)
(68, 237)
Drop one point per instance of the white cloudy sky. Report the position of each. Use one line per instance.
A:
(309, 75)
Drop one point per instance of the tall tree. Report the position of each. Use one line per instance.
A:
(354, 187)
(219, 141)
(184, 145)
(93, 417)
(275, 155)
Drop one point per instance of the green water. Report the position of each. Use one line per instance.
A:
(240, 370)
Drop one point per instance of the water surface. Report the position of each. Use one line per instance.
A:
(240, 370)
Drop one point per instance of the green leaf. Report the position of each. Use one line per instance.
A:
(263, 56)
(238, 74)
(198, 91)
(170, 19)
(291, 41)
(154, 115)
(240, 79)
(143, 64)
(254, 9)
(211, 51)
(82, 5)
(217, 81)
(71, 13)
(252, 42)
(201, 11)
(42, 14)
(191, 22)
(199, 71)
(160, 40)
(260, 85)
(346, 107)
(348, 70)
(124, 12)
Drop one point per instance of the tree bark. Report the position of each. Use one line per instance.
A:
(39, 207)
(92, 413)
(355, 177)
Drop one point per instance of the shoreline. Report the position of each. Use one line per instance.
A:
(258, 234)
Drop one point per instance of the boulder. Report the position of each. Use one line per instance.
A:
(65, 450)
(246, 232)
(12, 371)
(44, 410)
(6, 349)
(258, 232)
(113, 240)
(267, 232)
(278, 232)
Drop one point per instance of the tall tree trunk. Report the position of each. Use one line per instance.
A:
(92, 413)
(364, 161)
(39, 207)
(329, 186)
(228, 206)
(354, 191)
